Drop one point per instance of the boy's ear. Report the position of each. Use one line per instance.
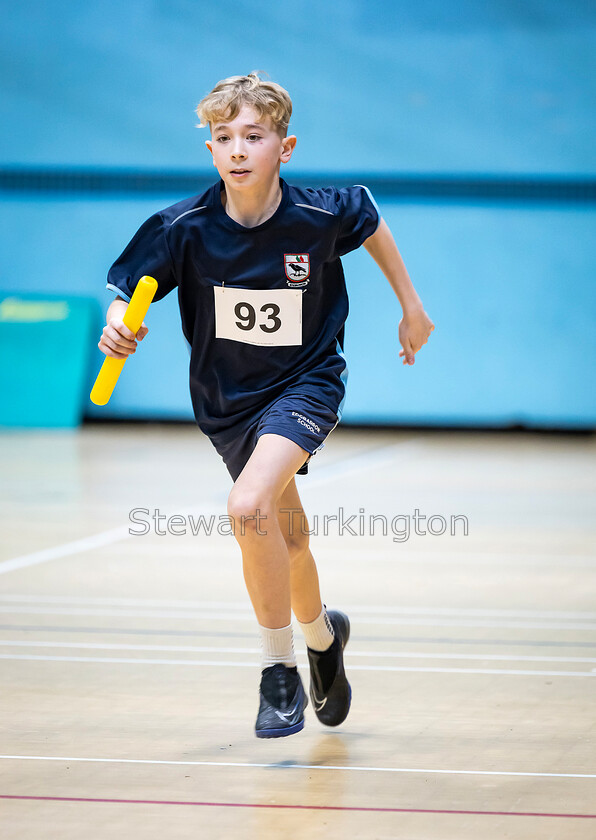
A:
(288, 144)
(209, 144)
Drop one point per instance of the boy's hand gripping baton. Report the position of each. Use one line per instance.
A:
(133, 318)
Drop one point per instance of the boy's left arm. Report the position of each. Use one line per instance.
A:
(415, 327)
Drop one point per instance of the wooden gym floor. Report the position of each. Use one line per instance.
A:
(129, 663)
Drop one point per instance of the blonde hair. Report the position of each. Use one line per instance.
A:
(228, 96)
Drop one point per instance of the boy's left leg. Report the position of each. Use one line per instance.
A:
(304, 578)
(326, 633)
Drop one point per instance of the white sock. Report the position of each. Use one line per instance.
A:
(318, 633)
(278, 646)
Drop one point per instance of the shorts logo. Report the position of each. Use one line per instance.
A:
(297, 269)
(306, 422)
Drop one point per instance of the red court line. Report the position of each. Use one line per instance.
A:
(300, 807)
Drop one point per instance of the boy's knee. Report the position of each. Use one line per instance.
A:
(249, 511)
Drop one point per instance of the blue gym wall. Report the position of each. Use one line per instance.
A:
(474, 121)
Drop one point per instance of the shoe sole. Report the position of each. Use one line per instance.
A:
(280, 733)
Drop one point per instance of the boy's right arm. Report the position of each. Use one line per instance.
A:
(116, 339)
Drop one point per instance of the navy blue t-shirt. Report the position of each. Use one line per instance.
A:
(196, 247)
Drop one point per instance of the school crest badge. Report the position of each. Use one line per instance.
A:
(297, 269)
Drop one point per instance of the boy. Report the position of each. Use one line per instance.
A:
(263, 304)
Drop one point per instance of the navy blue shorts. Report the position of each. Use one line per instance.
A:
(299, 418)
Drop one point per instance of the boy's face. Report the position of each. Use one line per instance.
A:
(247, 152)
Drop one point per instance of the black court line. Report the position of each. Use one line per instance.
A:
(222, 634)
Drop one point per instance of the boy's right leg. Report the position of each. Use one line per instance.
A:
(253, 505)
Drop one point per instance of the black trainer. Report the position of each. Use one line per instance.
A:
(282, 702)
(330, 691)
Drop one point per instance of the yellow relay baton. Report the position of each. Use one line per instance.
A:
(133, 318)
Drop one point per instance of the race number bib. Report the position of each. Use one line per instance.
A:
(254, 316)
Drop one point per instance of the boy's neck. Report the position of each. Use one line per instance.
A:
(252, 208)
